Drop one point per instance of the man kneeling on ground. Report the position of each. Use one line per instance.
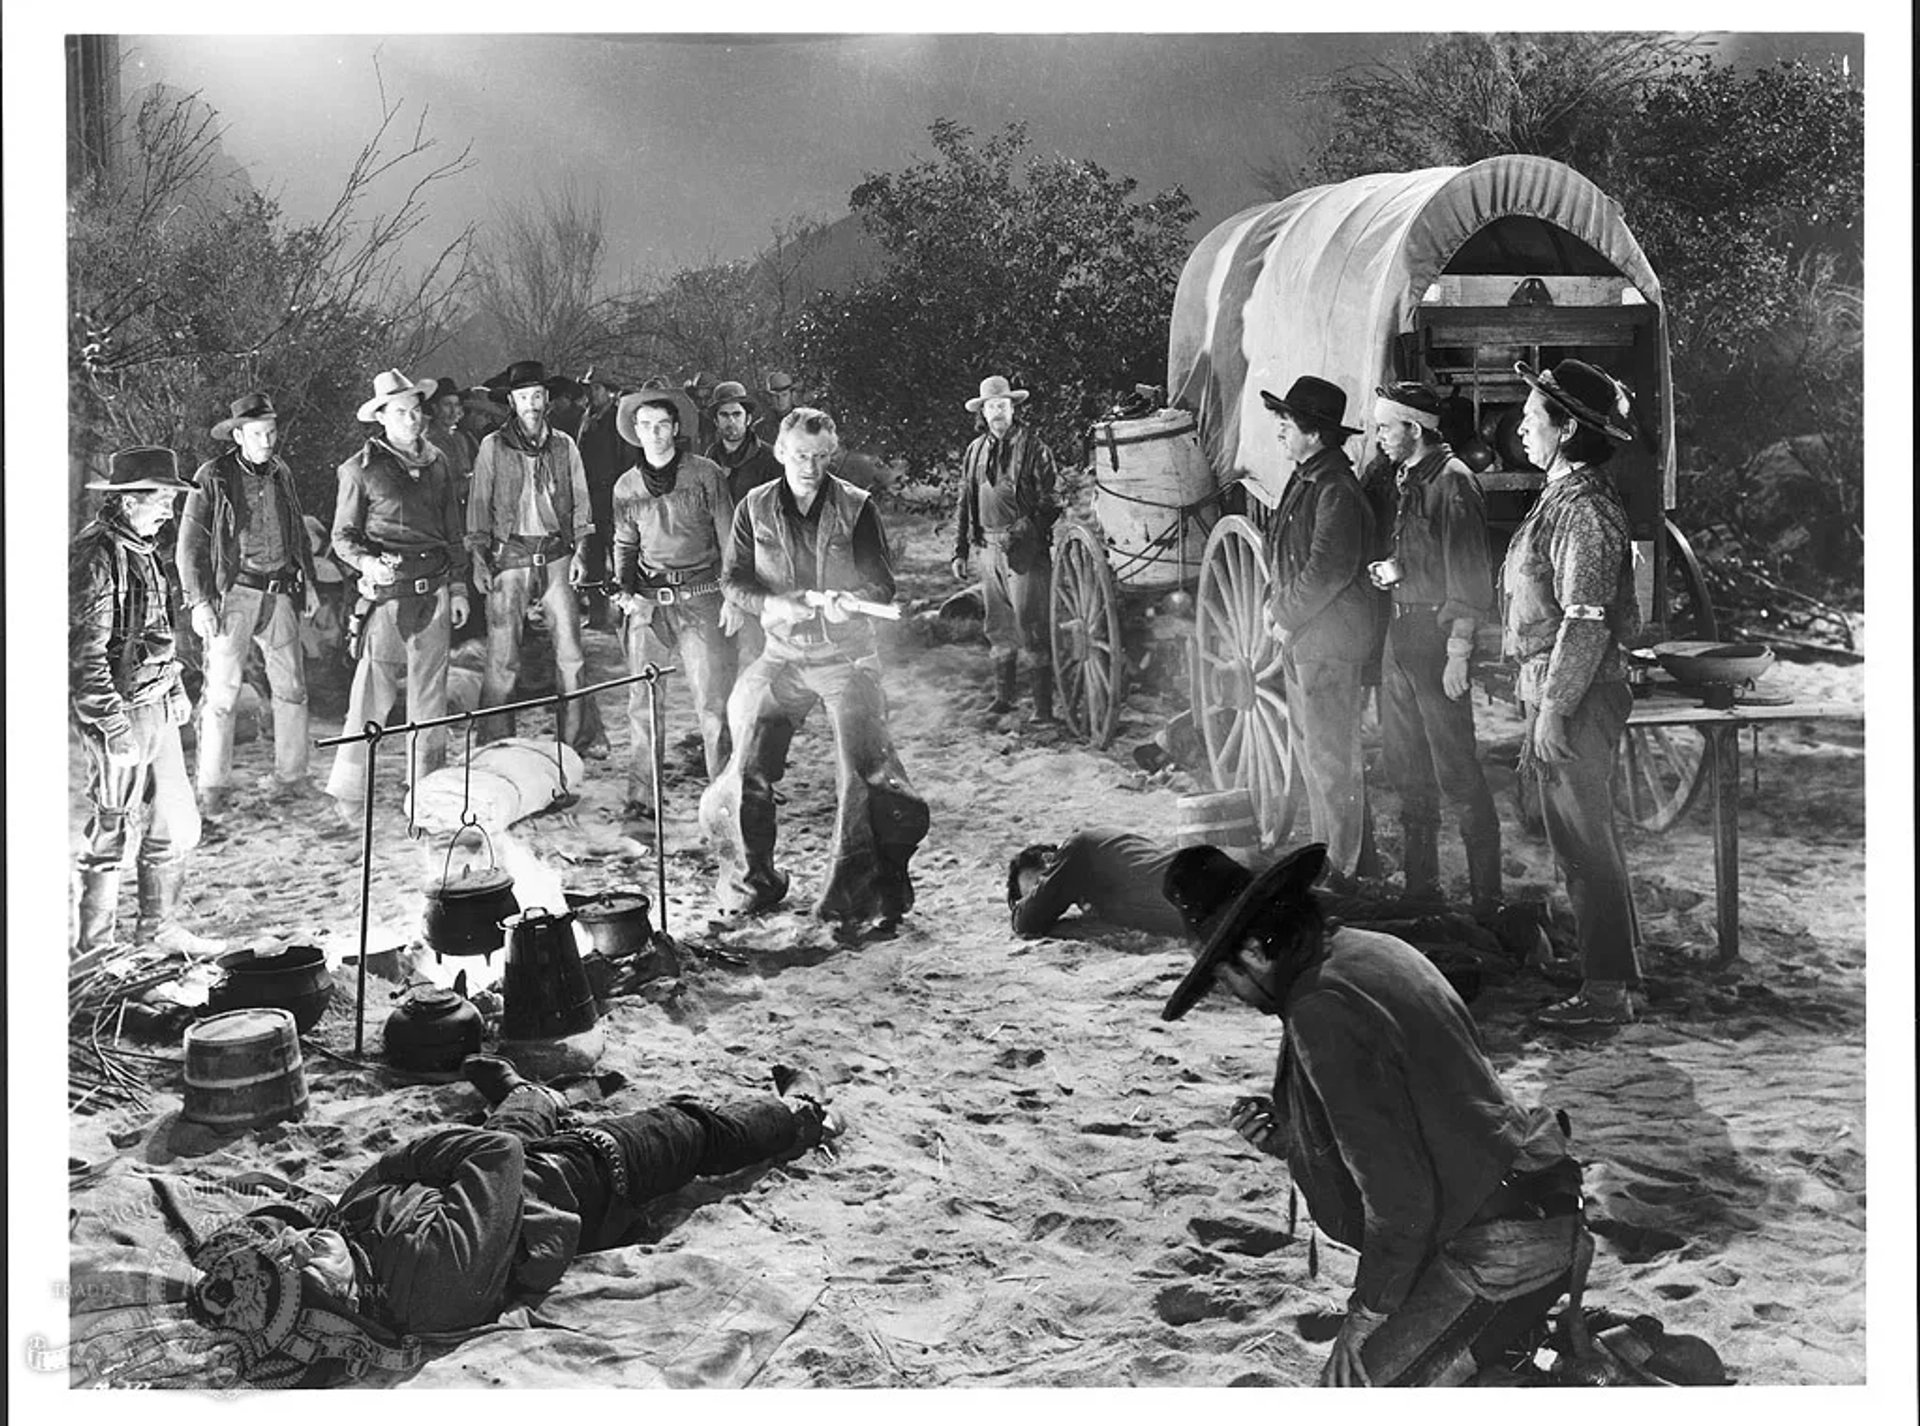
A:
(1464, 1207)
(436, 1236)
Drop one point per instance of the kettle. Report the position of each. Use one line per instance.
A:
(464, 913)
(546, 988)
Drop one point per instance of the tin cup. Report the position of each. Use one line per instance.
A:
(1385, 573)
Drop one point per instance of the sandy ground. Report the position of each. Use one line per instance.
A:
(1039, 1188)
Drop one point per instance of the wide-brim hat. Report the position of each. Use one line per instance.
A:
(254, 406)
(1315, 398)
(1588, 392)
(523, 374)
(388, 386)
(444, 386)
(633, 400)
(141, 468)
(779, 381)
(1202, 880)
(730, 391)
(992, 389)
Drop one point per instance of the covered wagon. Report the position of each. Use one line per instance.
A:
(1444, 275)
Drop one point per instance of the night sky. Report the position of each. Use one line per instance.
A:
(697, 146)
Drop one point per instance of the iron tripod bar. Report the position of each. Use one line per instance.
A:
(374, 732)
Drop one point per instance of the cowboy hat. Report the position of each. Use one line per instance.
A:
(1588, 392)
(595, 376)
(730, 391)
(444, 386)
(634, 400)
(1203, 880)
(1316, 399)
(254, 406)
(388, 386)
(523, 374)
(141, 468)
(992, 389)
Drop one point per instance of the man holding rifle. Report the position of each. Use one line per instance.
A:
(809, 559)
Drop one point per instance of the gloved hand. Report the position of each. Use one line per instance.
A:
(1453, 678)
(482, 575)
(381, 570)
(460, 609)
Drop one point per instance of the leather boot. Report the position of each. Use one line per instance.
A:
(1420, 861)
(159, 925)
(1042, 695)
(1483, 879)
(1006, 681)
(96, 915)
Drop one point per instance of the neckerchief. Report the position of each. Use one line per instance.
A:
(661, 481)
(517, 439)
(1000, 453)
(429, 453)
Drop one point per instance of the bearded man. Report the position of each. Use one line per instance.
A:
(801, 548)
(1007, 511)
(396, 521)
(247, 578)
(126, 702)
(529, 511)
(671, 518)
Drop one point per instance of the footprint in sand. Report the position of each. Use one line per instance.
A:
(1181, 1304)
(1634, 1243)
(1239, 1235)
(1773, 1311)
(1676, 1291)
(1075, 1232)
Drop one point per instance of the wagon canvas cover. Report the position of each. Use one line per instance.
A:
(1322, 282)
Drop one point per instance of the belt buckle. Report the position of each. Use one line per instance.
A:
(423, 586)
(539, 558)
(666, 594)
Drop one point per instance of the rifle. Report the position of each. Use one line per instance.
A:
(818, 599)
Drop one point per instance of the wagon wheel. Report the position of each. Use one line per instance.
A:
(1089, 661)
(1238, 701)
(1661, 770)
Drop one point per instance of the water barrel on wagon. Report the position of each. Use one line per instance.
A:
(1154, 496)
(1221, 819)
(244, 1068)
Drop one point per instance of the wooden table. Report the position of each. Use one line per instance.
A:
(1721, 729)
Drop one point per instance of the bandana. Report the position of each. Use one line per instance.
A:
(661, 481)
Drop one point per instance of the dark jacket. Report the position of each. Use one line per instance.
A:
(1318, 547)
(452, 1222)
(387, 506)
(120, 646)
(606, 456)
(1007, 491)
(839, 544)
(208, 548)
(1116, 875)
(748, 468)
(1434, 521)
(1400, 1127)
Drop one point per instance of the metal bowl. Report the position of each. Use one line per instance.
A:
(1702, 661)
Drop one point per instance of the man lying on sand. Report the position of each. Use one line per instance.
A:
(1465, 1208)
(1115, 875)
(436, 1236)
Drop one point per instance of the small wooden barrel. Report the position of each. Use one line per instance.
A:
(1152, 498)
(1224, 819)
(244, 1068)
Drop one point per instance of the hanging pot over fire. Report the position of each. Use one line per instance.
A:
(464, 913)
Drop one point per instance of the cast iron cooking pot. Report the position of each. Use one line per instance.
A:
(432, 1029)
(616, 920)
(294, 980)
(464, 912)
(1702, 661)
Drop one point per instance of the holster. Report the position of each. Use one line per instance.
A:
(357, 627)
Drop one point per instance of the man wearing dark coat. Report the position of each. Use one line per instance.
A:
(1322, 610)
(127, 705)
(1007, 510)
(247, 578)
(607, 456)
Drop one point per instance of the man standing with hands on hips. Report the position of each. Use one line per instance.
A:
(247, 578)
(396, 520)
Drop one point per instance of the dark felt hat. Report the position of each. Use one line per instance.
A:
(523, 374)
(1588, 392)
(141, 468)
(254, 406)
(1216, 893)
(730, 391)
(1314, 398)
(444, 386)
